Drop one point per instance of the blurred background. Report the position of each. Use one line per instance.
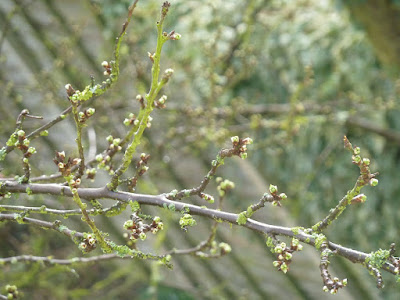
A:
(296, 76)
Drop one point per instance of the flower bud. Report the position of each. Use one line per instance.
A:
(273, 189)
(90, 111)
(235, 139)
(247, 141)
(32, 150)
(373, 182)
(127, 122)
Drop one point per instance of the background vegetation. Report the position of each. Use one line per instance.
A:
(294, 75)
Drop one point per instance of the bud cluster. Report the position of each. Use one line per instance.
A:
(76, 96)
(107, 68)
(363, 163)
(167, 75)
(224, 186)
(86, 114)
(276, 198)
(65, 166)
(91, 173)
(12, 292)
(137, 228)
(141, 168)
(131, 120)
(172, 35)
(140, 99)
(19, 140)
(88, 244)
(160, 103)
(335, 285)
(187, 221)
(220, 249)
(104, 159)
(331, 285)
(113, 143)
(283, 252)
(240, 146)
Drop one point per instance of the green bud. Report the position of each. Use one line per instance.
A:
(273, 189)
(187, 220)
(32, 150)
(235, 139)
(283, 196)
(225, 247)
(82, 246)
(142, 236)
(176, 36)
(247, 141)
(127, 122)
(116, 141)
(162, 99)
(168, 73)
(11, 288)
(284, 268)
(373, 182)
(90, 111)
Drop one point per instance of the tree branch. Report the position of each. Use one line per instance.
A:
(354, 256)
